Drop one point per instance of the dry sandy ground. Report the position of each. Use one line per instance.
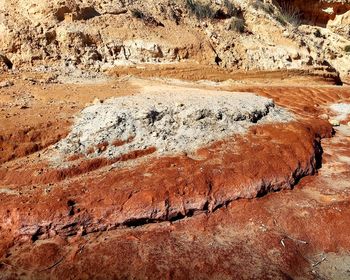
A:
(112, 219)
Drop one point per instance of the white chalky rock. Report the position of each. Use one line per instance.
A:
(169, 121)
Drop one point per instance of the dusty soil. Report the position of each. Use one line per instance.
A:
(196, 72)
(35, 114)
(271, 203)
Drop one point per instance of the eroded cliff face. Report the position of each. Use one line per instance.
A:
(340, 24)
(97, 35)
(318, 12)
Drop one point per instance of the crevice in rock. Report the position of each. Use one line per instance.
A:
(318, 154)
(218, 60)
(86, 13)
(221, 205)
(138, 222)
(7, 62)
(177, 217)
(71, 207)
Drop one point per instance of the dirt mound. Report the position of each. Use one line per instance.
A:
(172, 122)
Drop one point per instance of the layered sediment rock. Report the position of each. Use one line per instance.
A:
(213, 144)
(318, 12)
(140, 194)
(239, 34)
(341, 24)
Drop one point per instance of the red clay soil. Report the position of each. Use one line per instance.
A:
(281, 235)
(29, 140)
(225, 172)
(306, 102)
(214, 214)
(35, 115)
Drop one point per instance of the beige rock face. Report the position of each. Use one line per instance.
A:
(341, 24)
(34, 10)
(96, 34)
(317, 12)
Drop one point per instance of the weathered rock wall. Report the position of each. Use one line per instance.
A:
(318, 12)
(233, 34)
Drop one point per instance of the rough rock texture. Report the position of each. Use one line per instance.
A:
(341, 24)
(212, 213)
(318, 12)
(301, 233)
(234, 34)
(5, 64)
(170, 122)
(342, 109)
(87, 198)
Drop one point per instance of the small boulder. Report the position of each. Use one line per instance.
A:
(5, 84)
(97, 101)
(324, 117)
(334, 122)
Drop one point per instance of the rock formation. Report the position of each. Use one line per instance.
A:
(174, 139)
(341, 24)
(169, 122)
(317, 12)
(247, 35)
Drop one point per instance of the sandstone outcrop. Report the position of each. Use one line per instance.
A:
(317, 12)
(246, 35)
(341, 24)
